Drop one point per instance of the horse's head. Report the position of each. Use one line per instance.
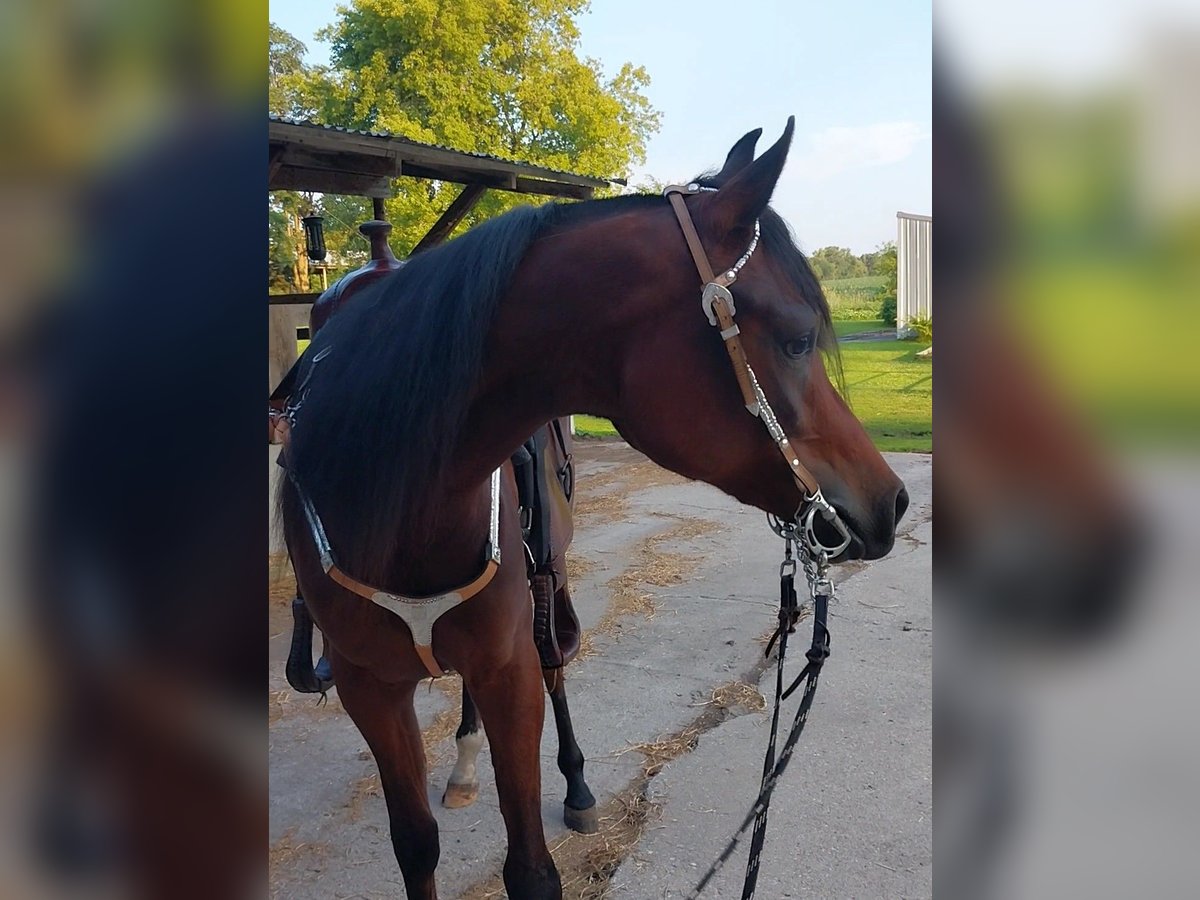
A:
(690, 414)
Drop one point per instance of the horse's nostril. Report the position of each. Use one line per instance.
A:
(901, 504)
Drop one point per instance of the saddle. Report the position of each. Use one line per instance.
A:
(545, 474)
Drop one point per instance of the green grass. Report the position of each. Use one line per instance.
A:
(842, 328)
(891, 392)
(863, 282)
(854, 298)
(594, 426)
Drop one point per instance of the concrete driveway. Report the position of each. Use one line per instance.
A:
(676, 585)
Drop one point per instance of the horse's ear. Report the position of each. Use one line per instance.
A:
(739, 157)
(740, 201)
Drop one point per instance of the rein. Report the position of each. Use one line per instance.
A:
(718, 305)
(820, 590)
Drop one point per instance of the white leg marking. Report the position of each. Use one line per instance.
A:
(468, 751)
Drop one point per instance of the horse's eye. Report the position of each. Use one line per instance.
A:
(798, 347)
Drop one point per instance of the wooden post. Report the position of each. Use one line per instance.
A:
(454, 213)
(377, 207)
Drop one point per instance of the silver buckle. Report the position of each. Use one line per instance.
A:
(712, 291)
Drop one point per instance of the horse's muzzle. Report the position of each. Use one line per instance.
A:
(872, 540)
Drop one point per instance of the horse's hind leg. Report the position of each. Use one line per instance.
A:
(579, 810)
(384, 714)
(462, 788)
(510, 700)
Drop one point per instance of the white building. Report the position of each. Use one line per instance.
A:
(914, 267)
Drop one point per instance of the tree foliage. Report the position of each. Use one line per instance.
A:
(286, 71)
(836, 262)
(500, 77)
(886, 266)
(876, 260)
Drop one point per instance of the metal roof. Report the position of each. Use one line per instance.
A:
(305, 156)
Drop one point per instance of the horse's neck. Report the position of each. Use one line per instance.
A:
(553, 349)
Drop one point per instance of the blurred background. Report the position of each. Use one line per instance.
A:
(1067, 400)
(132, 756)
(1067, 218)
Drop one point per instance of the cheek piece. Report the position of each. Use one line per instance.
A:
(717, 303)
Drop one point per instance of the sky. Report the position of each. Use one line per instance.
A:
(855, 74)
(1109, 40)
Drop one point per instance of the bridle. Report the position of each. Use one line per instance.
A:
(716, 300)
(718, 305)
(420, 613)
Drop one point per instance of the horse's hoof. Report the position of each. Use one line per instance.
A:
(585, 821)
(459, 795)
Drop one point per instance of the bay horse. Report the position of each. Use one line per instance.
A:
(418, 391)
(545, 474)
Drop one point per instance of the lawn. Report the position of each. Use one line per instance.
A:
(842, 328)
(891, 392)
(594, 426)
(864, 282)
(854, 298)
(889, 389)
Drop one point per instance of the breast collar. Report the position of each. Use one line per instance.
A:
(418, 613)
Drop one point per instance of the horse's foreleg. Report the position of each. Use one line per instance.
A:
(510, 701)
(579, 810)
(462, 788)
(384, 714)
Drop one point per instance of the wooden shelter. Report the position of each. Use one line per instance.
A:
(325, 159)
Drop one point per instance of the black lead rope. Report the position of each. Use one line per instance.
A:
(773, 770)
(788, 612)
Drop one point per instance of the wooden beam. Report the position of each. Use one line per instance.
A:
(317, 138)
(454, 213)
(291, 299)
(550, 189)
(323, 181)
(340, 161)
(500, 181)
(274, 161)
(451, 173)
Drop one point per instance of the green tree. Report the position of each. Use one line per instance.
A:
(874, 259)
(887, 267)
(288, 81)
(502, 77)
(288, 77)
(836, 262)
(288, 264)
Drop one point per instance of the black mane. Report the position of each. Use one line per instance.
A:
(392, 392)
(392, 388)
